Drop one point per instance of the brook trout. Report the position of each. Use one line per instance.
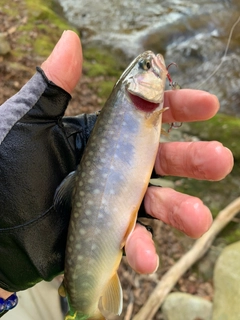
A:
(106, 190)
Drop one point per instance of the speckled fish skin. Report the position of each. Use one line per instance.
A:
(110, 183)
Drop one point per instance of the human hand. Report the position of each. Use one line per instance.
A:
(38, 148)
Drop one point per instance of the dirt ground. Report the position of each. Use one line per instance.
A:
(171, 245)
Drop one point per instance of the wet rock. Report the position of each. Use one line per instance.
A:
(227, 283)
(4, 45)
(183, 306)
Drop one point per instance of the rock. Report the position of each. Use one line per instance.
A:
(226, 279)
(206, 265)
(4, 45)
(184, 306)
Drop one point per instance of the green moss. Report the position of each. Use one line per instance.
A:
(105, 89)
(41, 29)
(231, 233)
(100, 62)
(223, 128)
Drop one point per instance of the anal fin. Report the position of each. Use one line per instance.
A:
(112, 298)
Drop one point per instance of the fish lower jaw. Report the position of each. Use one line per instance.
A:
(142, 104)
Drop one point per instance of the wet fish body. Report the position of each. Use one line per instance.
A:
(108, 187)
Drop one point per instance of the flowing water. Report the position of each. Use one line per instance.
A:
(192, 34)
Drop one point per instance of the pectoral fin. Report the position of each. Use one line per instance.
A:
(62, 291)
(111, 301)
(63, 194)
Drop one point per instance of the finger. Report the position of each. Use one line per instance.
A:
(181, 211)
(64, 65)
(189, 105)
(199, 160)
(140, 251)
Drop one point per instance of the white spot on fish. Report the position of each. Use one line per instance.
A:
(97, 231)
(102, 149)
(91, 172)
(85, 221)
(75, 276)
(88, 163)
(103, 160)
(90, 202)
(96, 191)
(71, 238)
(82, 232)
(69, 249)
(94, 246)
(78, 246)
(76, 215)
(80, 258)
(99, 166)
(80, 184)
(88, 212)
(83, 174)
(79, 204)
(91, 180)
(82, 193)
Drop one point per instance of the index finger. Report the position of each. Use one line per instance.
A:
(187, 105)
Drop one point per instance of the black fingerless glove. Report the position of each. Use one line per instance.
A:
(38, 148)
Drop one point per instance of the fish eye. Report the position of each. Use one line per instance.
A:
(145, 64)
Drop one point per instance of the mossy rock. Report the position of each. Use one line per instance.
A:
(223, 128)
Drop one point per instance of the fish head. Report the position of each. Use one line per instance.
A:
(145, 79)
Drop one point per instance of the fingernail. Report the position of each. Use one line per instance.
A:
(157, 264)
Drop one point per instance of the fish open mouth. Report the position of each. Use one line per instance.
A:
(142, 104)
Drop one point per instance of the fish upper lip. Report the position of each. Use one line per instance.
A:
(157, 67)
(156, 72)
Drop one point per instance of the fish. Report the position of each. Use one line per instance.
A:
(106, 190)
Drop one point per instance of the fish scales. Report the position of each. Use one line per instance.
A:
(109, 185)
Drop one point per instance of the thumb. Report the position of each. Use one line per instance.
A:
(64, 65)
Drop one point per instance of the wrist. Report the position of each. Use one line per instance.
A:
(5, 294)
